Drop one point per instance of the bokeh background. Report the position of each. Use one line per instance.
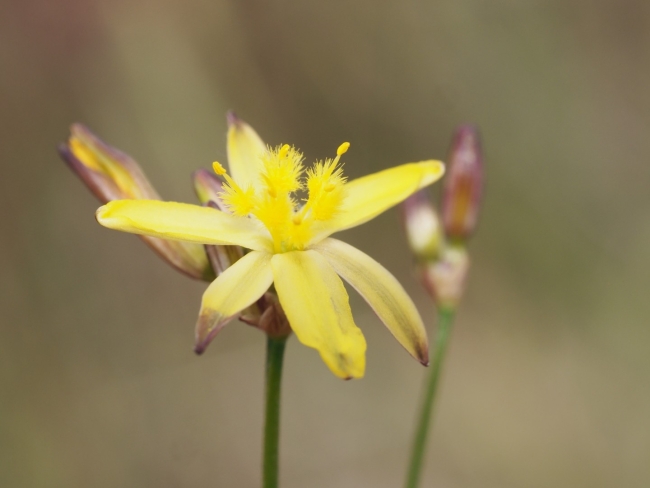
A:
(548, 378)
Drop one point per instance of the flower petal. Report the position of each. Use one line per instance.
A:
(383, 293)
(371, 195)
(316, 304)
(235, 289)
(183, 222)
(244, 150)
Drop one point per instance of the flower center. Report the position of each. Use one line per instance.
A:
(273, 200)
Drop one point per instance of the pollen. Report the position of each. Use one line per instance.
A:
(282, 169)
(239, 201)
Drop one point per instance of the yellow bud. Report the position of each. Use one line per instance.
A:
(113, 175)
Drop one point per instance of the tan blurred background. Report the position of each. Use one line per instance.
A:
(548, 378)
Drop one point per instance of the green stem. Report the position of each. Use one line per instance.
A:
(274, 357)
(445, 319)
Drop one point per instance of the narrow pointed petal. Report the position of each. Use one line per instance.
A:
(236, 289)
(244, 150)
(315, 301)
(371, 195)
(383, 293)
(183, 222)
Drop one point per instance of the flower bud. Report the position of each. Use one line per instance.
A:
(208, 188)
(464, 184)
(422, 226)
(109, 173)
(112, 175)
(445, 278)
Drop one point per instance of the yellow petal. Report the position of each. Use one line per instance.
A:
(316, 304)
(383, 293)
(237, 288)
(371, 195)
(183, 222)
(244, 150)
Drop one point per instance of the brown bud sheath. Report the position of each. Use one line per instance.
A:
(222, 257)
(445, 278)
(113, 175)
(463, 185)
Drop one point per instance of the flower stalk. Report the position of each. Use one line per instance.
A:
(274, 358)
(439, 246)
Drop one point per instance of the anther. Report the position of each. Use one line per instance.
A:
(220, 170)
(284, 150)
(343, 148)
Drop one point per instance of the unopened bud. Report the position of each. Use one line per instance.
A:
(208, 188)
(445, 278)
(422, 225)
(108, 172)
(110, 175)
(463, 185)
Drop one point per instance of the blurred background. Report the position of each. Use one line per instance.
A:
(547, 382)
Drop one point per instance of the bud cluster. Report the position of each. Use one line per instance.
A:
(439, 243)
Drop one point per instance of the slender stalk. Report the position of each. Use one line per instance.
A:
(274, 357)
(445, 319)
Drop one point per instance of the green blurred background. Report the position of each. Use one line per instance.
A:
(548, 378)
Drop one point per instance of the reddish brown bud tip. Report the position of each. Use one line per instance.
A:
(231, 118)
(208, 326)
(463, 185)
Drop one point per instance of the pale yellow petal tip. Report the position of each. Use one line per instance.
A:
(345, 366)
(106, 216)
(432, 171)
(102, 215)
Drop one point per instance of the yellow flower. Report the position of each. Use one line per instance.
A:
(289, 244)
